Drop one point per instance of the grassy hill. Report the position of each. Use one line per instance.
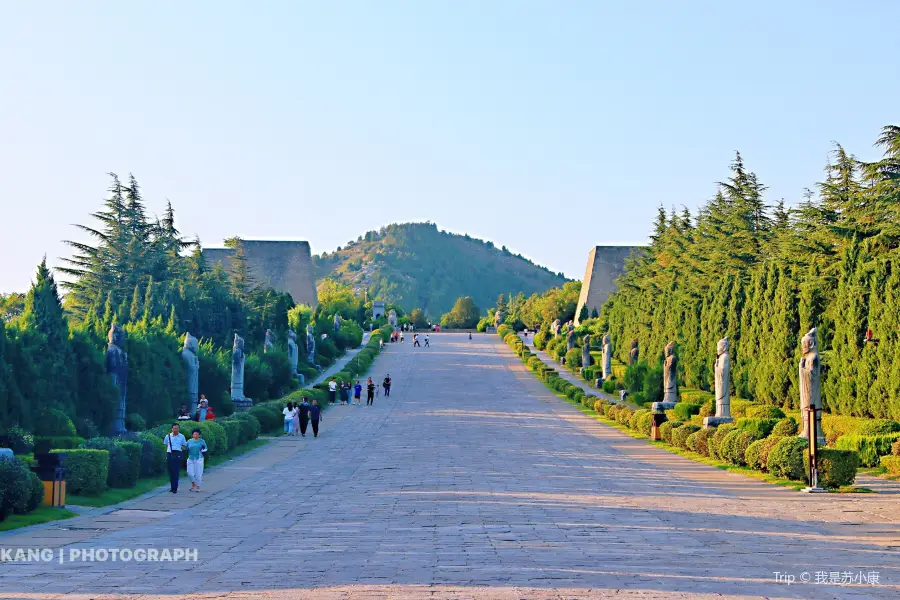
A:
(415, 265)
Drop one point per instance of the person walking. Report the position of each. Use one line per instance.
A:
(332, 390)
(386, 384)
(303, 415)
(370, 392)
(401, 336)
(346, 388)
(175, 443)
(196, 449)
(295, 426)
(416, 340)
(426, 340)
(315, 415)
(288, 412)
(357, 393)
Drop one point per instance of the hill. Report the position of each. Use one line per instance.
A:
(415, 265)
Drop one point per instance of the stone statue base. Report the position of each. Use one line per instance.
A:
(242, 404)
(662, 407)
(713, 422)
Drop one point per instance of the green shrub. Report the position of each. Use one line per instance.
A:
(645, 422)
(653, 384)
(765, 411)
(634, 376)
(684, 411)
(878, 427)
(784, 427)
(786, 458)
(15, 487)
(573, 358)
(758, 427)
(708, 409)
(836, 467)
(18, 440)
(124, 460)
(610, 386)
(757, 454)
(895, 448)
(153, 453)
(681, 434)
(87, 471)
(135, 422)
(639, 398)
(44, 444)
(610, 411)
(695, 396)
(715, 440)
(53, 422)
(232, 432)
(869, 447)
(624, 415)
(699, 441)
(665, 430)
(36, 489)
(250, 427)
(740, 407)
(734, 446)
(891, 462)
(269, 419)
(86, 428)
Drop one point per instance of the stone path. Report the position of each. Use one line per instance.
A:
(472, 480)
(339, 364)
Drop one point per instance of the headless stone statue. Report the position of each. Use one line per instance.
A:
(570, 340)
(723, 387)
(607, 357)
(117, 369)
(392, 317)
(810, 384)
(498, 318)
(586, 351)
(337, 323)
(670, 387)
(192, 364)
(633, 355)
(310, 346)
(554, 327)
(237, 375)
(293, 351)
(270, 341)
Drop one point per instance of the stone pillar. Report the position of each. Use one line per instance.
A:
(192, 364)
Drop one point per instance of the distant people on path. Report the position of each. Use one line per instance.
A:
(303, 415)
(426, 340)
(401, 337)
(381, 344)
(470, 335)
(345, 392)
(332, 390)
(288, 412)
(357, 394)
(370, 392)
(204, 411)
(196, 448)
(183, 413)
(416, 343)
(386, 384)
(295, 425)
(175, 444)
(315, 415)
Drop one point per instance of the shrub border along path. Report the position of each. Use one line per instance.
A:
(864, 483)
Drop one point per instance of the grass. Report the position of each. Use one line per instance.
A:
(879, 471)
(144, 485)
(42, 514)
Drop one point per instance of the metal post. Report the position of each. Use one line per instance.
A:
(813, 447)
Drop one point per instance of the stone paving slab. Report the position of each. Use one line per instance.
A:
(473, 481)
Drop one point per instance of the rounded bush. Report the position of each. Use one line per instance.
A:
(707, 409)
(153, 453)
(895, 448)
(268, 418)
(786, 458)
(869, 447)
(784, 427)
(645, 423)
(681, 434)
(18, 440)
(891, 462)
(610, 386)
(714, 441)
(639, 398)
(86, 428)
(135, 422)
(758, 427)
(124, 460)
(734, 446)
(837, 468)
(15, 487)
(765, 411)
(878, 427)
(699, 441)
(250, 426)
(232, 432)
(665, 430)
(753, 454)
(623, 416)
(53, 422)
(36, 497)
(87, 471)
(684, 411)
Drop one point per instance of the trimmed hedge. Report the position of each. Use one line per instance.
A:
(269, 418)
(54, 422)
(786, 458)
(699, 441)
(87, 471)
(18, 440)
(124, 460)
(891, 463)
(684, 411)
(836, 467)
(869, 447)
(681, 434)
(734, 446)
(232, 432)
(665, 430)
(740, 407)
(714, 441)
(758, 427)
(878, 427)
(45, 443)
(788, 426)
(153, 454)
(765, 411)
(16, 489)
(757, 454)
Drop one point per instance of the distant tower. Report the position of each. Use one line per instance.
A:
(604, 265)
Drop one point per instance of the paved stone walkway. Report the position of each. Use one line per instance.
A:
(473, 481)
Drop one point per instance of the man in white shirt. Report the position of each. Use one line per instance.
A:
(332, 391)
(175, 443)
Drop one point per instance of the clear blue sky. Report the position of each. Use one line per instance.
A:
(548, 127)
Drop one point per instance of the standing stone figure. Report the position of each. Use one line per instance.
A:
(117, 369)
(498, 318)
(586, 351)
(633, 355)
(554, 327)
(670, 387)
(570, 326)
(192, 362)
(337, 323)
(392, 317)
(310, 346)
(570, 339)
(723, 379)
(270, 341)
(607, 358)
(293, 351)
(810, 384)
(237, 375)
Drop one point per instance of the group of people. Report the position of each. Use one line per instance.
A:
(176, 446)
(416, 340)
(341, 389)
(299, 416)
(203, 412)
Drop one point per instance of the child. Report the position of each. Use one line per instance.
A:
(357, 393)
(196, 448)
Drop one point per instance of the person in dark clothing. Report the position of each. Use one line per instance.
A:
(345, 392)
(357, 393)
(315, 415)
(386, 384)
(304, 415)
(370, 392)
(416, 340)
(175, 445)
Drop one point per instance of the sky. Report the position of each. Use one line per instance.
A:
(548, 127)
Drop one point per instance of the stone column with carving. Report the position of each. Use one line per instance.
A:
(633, 355)
(269, 343)
(607, 357)
(586, 351)
(241, 402)
(310, 346)
(723, 386)
(811, 384)
(192, 364)
(117, 369)
(670, 386)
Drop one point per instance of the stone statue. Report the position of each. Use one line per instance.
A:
(810, 384)
(498, 318)
(607, 358)
(556, 327)
(310, 346)
(570, 326)
(570, 339)
(337, 323)
(192, 362)
(586, 351)
(670, 387)
(117, 369)
(237, 375)
(270, 341)
(723, 379)
(293, 351)
(633, 355)
(392, 317)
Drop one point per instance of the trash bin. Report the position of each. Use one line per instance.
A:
(52, 473)
(658, 419)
